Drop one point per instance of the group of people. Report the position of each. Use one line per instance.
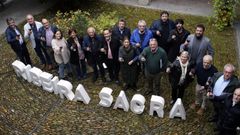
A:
(165, 47)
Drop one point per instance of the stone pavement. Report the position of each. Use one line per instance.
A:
(237, 29)
(18, 9)
(193, 7)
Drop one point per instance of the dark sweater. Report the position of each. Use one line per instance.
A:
(203, 74)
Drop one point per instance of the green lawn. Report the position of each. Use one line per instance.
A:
(25, 108)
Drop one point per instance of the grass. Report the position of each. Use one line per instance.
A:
(26, 108)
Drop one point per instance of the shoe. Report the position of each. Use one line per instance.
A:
(103, 79)
(200, 111)
(117, 82)
(94, 79)
(50, 67)
(134, 87)
(70, 75)
(172, 102)
(148, 92)
(43, 66)
(212, 119)
(126, 87)
(193, 106)
(79, 78)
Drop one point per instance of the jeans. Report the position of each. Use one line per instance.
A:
(61, 69)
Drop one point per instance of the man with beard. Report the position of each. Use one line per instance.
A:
(120, 30)
(177, 37)
(161, 29)
(197, 45)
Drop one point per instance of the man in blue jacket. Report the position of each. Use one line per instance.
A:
(140, 36)
(15, 39)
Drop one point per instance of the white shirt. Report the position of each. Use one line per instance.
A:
(20, 36)
(220, 85)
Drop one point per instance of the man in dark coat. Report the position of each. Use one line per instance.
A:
(120, 30)
(111, 48)
(92, 44)
(223, 83)
(177, 37)
(229, 119)
(198, 45)
(161, 29)
(15, 39)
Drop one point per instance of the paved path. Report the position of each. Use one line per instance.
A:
(193, 7)
(237, 28)
(18, 9)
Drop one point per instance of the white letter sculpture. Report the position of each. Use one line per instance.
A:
(106, 97)
(81, 95)
(65, 88)
(122, 102)
(22, 70)
(178, 110)
(54, 82)
(35, 75)
(137, 104)
(157, 104)
(46, 81)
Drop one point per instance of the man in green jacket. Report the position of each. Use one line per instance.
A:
(155, 60)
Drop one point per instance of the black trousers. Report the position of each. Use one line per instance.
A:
(113, 67)
(22, 53)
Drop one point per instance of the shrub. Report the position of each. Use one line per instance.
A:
(224, 13)
(80, 21)
(105, 20)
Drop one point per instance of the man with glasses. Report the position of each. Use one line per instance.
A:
(223, 83)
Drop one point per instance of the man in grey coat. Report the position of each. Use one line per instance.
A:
(197, 45)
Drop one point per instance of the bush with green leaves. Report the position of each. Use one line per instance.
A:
(224, 13)
(104, 20)
(80, 21)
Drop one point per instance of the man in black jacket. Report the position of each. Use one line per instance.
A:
(161, 29)
(92, 44)
(15, 39)
(120, 30)
(229, 119)
(223, 83)
(111, 48)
